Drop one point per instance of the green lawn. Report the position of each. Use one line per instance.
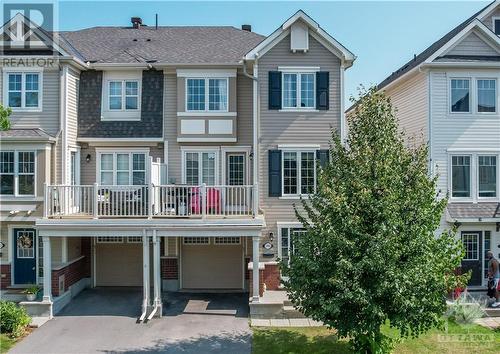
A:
(5, 343)
(458, 339)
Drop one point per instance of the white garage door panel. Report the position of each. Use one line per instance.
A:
(118, 264)
(212, 267)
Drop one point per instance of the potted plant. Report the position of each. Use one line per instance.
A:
(31, 292)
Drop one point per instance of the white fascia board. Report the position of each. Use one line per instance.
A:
(206, 73)
(487, 11)
(104, 140)
(475, 24)
(444, 64)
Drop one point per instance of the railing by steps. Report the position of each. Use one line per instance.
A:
(151, 201)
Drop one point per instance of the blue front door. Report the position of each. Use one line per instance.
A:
(24, 256)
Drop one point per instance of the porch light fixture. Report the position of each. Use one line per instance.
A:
(88, 158)
(271, 236)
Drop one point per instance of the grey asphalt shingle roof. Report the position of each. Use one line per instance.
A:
(35, 134)
(170, 45)
(470, 210)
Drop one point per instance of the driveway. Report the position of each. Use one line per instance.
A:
(104, 321)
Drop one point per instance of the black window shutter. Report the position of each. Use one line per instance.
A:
(322, 90)
(275, 173)
(274, 90)
(323, 157)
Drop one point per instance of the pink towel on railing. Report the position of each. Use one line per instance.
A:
(213, 198)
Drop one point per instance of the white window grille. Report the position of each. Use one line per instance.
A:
(227, 240)
(109, 239)
(196, 240)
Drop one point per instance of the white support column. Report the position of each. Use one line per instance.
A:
(64, 249)
(47, 272)
(157, 275)
(145, 262)
(255, 269)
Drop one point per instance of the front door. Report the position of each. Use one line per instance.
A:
(24, 256)
(472, 241)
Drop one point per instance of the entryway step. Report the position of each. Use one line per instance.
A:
(292, 312)
(492, 312)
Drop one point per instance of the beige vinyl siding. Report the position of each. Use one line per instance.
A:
(70, 134)
(88, 170)
(468, 131)
(291, 127)
(244, 124)
(410, 101)
(74, 248)
(488, 20)
(472, 45)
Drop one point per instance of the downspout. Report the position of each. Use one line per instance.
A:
(62, 123)
(343, 122)
(256, 129)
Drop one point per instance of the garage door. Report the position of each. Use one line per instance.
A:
(118, 262)
(212, 263)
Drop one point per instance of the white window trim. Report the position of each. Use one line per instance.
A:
(200, 150)
(297, 108)
(493, 19)
(474, 177)
(77, 151)
(477, 234)
(123, 114)
(220, 238)
(286, 225)
(298, 151)
(196, 238)
(23, 72)
(110, 239)
(115, 151)
(207, 95)
(471, 94)
(476, 106)
(16, 175)
(225, 150)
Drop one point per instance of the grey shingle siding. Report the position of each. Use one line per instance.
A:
(89, 109)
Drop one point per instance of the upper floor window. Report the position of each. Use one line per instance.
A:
(299, 172)
(487, 176)
(17, 173)
(207, 94)
(496, 25)
(23, 90)
(486, 95)
(299, 90)
(123, 95)
(460, 176)
(460, 95)
(122, 168)
(200, 167)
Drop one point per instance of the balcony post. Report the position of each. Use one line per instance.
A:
(94, 209)
(45, 200)
(255, 200)
(145, 271)
(150, 201)
(203, 200)
(47, 273)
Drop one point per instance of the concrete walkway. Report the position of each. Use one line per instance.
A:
(104, 321)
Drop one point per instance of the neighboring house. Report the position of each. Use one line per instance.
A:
(448, 97)
(198, 140)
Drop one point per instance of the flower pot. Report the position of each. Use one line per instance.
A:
(31, 297)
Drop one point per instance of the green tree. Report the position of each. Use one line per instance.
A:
(369, 254)
(4, 118)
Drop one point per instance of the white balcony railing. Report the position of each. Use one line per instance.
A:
(151, 201)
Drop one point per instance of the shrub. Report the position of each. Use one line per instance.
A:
(13, 318)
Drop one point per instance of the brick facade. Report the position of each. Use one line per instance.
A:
(169, 268)
(72, 274)
(5, 276)
(269, 278)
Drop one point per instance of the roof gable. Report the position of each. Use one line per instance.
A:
(473, 44)
(300, 17)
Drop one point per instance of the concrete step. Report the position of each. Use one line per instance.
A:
(292, 312)
(492, 312)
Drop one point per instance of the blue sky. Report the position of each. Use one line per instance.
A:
(383, 35)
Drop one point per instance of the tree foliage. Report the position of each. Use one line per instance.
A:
(4, 118)
(369, 253)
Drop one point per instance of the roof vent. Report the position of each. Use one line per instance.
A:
(136, 22)
(247, 28)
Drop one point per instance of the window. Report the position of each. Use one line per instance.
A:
(460, 95)
(496, 25)
(487, 175)
(471, 246)
(486, 95)
(17, 173)
(287, 245)
(134, 239)
(460, 177)
(199, 167)
(236, 169)
(109, 239)
(299, 172)
(299, 90)
(23, 90)
(196, 240)
(122, 168)
(199, 91)
(123, 95)
(227, 240)
(25, 244)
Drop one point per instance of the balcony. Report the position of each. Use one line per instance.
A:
(149, 201)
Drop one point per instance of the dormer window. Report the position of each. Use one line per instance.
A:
(496, 25)
(123, 95)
